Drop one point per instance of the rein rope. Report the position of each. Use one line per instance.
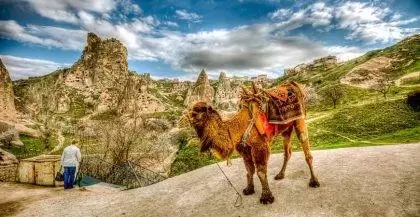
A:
(238, 201)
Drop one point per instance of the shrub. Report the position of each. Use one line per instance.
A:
(413, 100)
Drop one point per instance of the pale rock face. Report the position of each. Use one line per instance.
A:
(226, 96)
(103, 68)
(6, 158)
(201, 91)
(368, 74)
(7, 105)
(137, 97)
(63, 104)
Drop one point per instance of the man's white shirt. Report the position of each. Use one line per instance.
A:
(71, 156)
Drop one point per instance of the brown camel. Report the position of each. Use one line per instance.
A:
(222, 137)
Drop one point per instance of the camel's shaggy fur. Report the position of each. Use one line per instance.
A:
(224, 136)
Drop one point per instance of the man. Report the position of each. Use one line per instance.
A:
(70, 159)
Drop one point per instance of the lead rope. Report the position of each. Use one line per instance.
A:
(238, 201)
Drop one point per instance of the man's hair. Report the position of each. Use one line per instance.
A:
(74, 142)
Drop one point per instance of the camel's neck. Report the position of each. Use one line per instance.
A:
(222, 136)
(240, 122)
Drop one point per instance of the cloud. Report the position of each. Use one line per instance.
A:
(320, 14)
(21, 68)
(372, 23)
(280, 14)
(268, 53)
(317, 15)
(363, 21)
(66, 10)
(171, 24)
(188, 16)
(49, 36)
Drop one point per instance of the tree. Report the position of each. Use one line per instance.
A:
(334, 93)
(384, 85)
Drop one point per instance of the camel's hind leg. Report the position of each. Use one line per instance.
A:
(250, 169)
(260, 154)
(287, 151)
(302, 134)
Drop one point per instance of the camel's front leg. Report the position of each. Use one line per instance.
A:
(287, 151)
(260, 154)
(250, 169)
(302, 134)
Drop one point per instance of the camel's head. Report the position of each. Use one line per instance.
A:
(199, 114)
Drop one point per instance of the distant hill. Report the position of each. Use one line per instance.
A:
(393, 61)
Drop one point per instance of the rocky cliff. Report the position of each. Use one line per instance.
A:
(101, 72)
(99, 82)
(7, 105)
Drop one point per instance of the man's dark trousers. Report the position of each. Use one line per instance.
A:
(69, 177)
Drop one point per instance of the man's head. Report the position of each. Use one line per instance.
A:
(74, 142)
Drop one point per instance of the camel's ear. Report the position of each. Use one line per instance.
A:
(209, 109)
(254, 88)
(245, 90)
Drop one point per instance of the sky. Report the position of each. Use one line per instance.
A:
(178, 38)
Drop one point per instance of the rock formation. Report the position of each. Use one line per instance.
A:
(6, 158)
(8, 115)
(98, 82)
(201, 91)
(226, 97)
(7, 105)
(101, 72)
(321, 63)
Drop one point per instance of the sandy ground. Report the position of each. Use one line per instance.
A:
(368, 181)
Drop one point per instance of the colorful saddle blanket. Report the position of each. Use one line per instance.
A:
(285, 104)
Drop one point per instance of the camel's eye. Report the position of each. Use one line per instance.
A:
(200, 109)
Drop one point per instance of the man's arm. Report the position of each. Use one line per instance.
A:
(79, 155)
(62, 157)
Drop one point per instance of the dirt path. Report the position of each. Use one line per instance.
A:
(368, 181)
(411, 75)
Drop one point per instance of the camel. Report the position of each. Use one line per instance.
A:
(222, 137)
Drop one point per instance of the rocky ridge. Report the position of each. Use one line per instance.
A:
(201, 91)
(227, 95)
(323, 63)
(7, 105)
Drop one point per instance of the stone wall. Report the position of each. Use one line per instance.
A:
(8, 173)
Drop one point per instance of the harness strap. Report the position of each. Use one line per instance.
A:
(247, 132)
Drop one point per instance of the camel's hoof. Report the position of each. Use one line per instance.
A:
(248, 191)
(266, 198)
(313, 183)
(279, 176)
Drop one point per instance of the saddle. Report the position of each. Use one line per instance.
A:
(285, 104)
